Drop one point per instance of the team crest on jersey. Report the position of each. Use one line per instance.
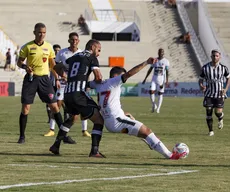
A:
(51, 96)
(44, 49)
(44, 59)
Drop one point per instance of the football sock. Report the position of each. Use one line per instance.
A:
(66, 114)
(157, 145)
(52, 124)
(209, 119)
(58, 119)
(220, 115)
(152, 97)
(84, 125)
(22, 124)
(160, 100)
(96, 137)
(48, 112)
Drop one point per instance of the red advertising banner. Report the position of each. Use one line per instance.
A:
(7, 89)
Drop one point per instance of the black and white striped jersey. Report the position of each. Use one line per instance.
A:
(80, 67)
(214, 78)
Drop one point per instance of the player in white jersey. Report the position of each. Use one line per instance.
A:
(61, 57)
(159, 79)
(114, 117)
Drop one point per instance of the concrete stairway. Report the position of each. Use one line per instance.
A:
(219, 14)
(168, 27)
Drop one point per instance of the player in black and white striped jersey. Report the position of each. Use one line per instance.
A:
(214, 74)
(77, 100)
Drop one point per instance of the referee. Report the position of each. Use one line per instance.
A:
(38, 55)
(214, 74)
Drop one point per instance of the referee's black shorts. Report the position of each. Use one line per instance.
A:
(41, 85)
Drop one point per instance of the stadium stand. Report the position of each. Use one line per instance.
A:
(219, 12)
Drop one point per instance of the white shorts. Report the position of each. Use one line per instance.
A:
(60, 93)
(156, 86)
(123, 124)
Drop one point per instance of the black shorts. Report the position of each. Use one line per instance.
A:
(41, 85)
(213, 102)
(80, 104)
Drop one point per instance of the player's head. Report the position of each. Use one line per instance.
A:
(56, 48)
(39, 32)
(215, 55)
(161, 53)
(115, 71)
(94, 47)
(73, 39)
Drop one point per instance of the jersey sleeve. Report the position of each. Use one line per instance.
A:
(167, 65)
(115, 81)
(58, 57)
(52, 54)
(92, 84)
(202, 75)
(226, 73)
(23, 52)
(94, 63)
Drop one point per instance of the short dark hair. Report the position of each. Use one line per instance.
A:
(73, 34)
(215, 51)
(90, 43)
(116, 70)
(55, 46)
(39, 25)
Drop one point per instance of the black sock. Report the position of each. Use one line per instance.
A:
(220, 115)
(209, 123)
(22, 124)
(58, 119)
(96, 137)
(66, 114)
(48, 112)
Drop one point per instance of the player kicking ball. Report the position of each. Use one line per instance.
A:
(116, 120)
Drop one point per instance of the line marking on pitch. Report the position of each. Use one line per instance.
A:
(96, 179)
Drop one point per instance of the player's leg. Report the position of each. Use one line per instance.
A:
(208, 104)
(160, 100)
(27, 98)
(152, 95)
(84, 124)
(219, 104)
(48, 113)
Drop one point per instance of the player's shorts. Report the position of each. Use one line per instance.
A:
(157, 86)
(80, 105)
(41, 85)
(123, 124)
(60, 93)
(213, 102)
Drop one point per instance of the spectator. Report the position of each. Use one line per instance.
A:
(81, 21)
(172, 3)
(185, 38)
(8, 60)
(16, 53)
(135, 36)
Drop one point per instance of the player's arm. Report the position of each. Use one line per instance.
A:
(148, 73)
(227, 76)
(201, 80)
(137, 68)
(167, 75)
(22, 56)
(96, 70)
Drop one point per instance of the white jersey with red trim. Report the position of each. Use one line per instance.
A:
(109, 92)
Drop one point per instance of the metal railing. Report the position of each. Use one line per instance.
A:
(195, 42)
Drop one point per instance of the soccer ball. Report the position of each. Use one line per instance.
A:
(181, 148)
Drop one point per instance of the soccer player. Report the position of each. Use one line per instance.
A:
(77, 100)
(159, 79)
(214, 74)
(115, 119)
(38, 55)
(61, 57)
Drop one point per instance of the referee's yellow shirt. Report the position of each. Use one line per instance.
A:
(38, 56)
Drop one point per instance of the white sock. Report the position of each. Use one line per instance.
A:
(160, 100)
(84, 125)
(152, 97)
(52, 124)
(157, 145)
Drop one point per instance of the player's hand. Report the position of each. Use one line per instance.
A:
(151, 60)
(29, 70)
(130, 116)
(202, 88)
(58, 84)
(224, 91)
